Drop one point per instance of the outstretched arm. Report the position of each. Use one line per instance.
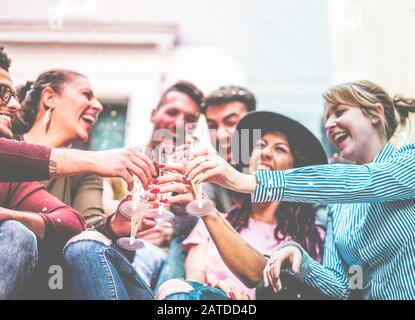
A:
(388, 179)
(122, 163)
(242, 259)
(22, 161)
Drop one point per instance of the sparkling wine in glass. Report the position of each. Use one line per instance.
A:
(200, 206)
(136, 208)
(166, 154)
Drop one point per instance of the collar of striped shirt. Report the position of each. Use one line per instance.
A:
(387, 151)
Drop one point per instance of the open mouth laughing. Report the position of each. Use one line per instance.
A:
(339, 137)
(89, 118)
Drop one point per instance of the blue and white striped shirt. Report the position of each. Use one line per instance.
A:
(371, 222)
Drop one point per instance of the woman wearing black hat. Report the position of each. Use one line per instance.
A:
(262, 226)
(369, 244)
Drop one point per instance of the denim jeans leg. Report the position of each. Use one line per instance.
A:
(100, 272)
(18, 257)
(148, 262)
(173, 267)
(198, 292)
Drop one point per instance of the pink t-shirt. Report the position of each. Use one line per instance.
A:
(258, 234)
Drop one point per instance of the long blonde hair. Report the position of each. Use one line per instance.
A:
(367, 95)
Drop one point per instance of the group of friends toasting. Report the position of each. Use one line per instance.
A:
(223, 201)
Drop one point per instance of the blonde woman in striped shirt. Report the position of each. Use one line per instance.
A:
(370, 237)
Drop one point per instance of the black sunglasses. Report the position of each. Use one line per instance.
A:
(6, 93)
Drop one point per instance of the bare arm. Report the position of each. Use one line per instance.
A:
(194, 267)
(218, 171)
(32, 221)
(22, 161)
(122, 163)
(242, 259)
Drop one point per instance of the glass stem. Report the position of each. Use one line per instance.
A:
(200, 203)
(132, 233)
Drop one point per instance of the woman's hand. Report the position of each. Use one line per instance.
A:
(176, 184)
(123, 163)
(182, 193)
(204, 167)
(272, 271)
(232, 290)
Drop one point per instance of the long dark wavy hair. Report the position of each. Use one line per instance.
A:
(296, 220)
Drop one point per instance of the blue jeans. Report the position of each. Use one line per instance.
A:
(18, 257)
(173, 267)
(156, 266)
(148, 261)
(99, 271)
(198, 292)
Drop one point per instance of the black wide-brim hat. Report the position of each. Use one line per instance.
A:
(299, 137)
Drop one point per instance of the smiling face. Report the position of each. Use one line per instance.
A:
(77, 109)
(178, 108)
(7, 110)
(351, 131)
(271, 152)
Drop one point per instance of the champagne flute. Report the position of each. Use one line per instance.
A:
(139, 195)
(161, 214)
(136, 213)
(200, 206)
(136, 208)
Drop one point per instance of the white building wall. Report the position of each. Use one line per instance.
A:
(374, 40)
(125, 72)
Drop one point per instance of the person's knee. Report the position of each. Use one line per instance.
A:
(19, 237)
(90, 235)
(173, 286)
(84, 245)
(18, 252)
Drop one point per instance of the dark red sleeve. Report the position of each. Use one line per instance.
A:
(22, 161)
(61, 220)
